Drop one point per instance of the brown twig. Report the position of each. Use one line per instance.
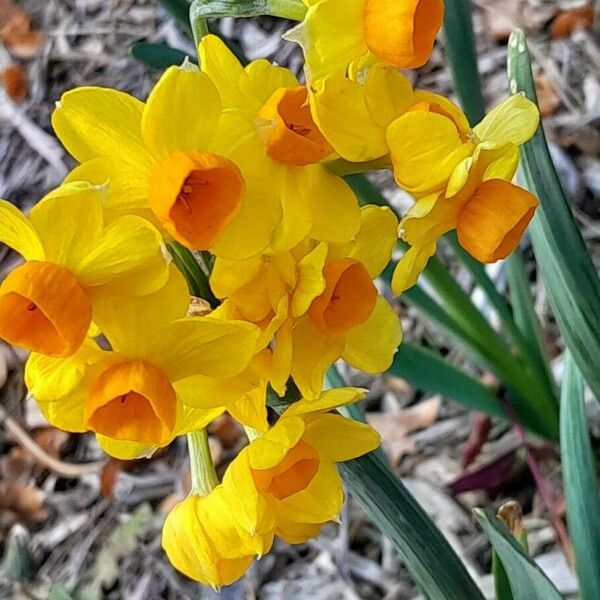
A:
(64, 469)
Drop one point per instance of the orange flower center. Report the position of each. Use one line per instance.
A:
(292, 137)
(195, 196)
(492, 222)
(132, 401)
(44, 308)
(348, 300)
(402, 32)
(293, 474)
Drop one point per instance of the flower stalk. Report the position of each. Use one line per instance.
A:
(202, 470)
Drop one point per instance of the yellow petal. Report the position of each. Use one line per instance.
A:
(202, 540)
(205, 346)
(249, 507)
(339, 109)
(313, 355)
(264, 78)
(376, 239)
(60, 385)
(326, 53)
(320, 501)
(338, 439)
(181, 113)
(18, 233)
(311, 281)
(327, 401)
(192, 419)
(334, 207)
(93, 122)
(129, 256)
(69, 223)
(126, 320)
(514, 121)
(228, 75)
(282, 358)
(270, 449)
(410, 266)
(229, 276)
(371, 346)
(124, 450)
(388, 94)
(124, 190)
(296, 205)
(425, 148)
(296, 533)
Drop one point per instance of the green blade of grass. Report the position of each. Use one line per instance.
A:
(460, 49)
(433, 564)
(567, 269)
(527, 580)
(580, 482)
(190, 268)
(180, 11)
(428, 371)
(158, 56)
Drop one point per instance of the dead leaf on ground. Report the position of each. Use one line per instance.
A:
(227, 430)
(16, 31)
(395, 428)
(571, 20)
(548, 99)
(14, 80)
(26, 500)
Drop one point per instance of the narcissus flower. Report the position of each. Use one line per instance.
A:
(203, 540)
(270, 122)
(137, 396)
(74, 259)
(285, 482)
(175, 158)
(400, 34)
(489, 213)
(316, 304)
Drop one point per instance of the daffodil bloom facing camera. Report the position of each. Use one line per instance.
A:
(315, 304)
(285, 482)
(174, 159)
(270, 122)
(136, 396)
(334, 35)
(73, 260)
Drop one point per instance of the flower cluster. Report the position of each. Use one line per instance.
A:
(235, 161)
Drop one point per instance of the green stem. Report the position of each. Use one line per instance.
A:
(295, 10)
(203, 474)
(460, 48)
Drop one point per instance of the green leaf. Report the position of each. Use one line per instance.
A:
(460, 48)
(159, 56)
(197, 279)
(287, 9)
(580, 482)
(565, 264)
(527, 580)
(435, 567)
(428, 371)
(179, 10)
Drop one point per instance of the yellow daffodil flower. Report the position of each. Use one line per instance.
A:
(271, 124)
(137, 396)
(316, 304)
(73, 260)
(175, 159)
(204, 541)
(400, 34)
(489, 213)
(285, 482)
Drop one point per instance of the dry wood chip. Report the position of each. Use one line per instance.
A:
(571, 20)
